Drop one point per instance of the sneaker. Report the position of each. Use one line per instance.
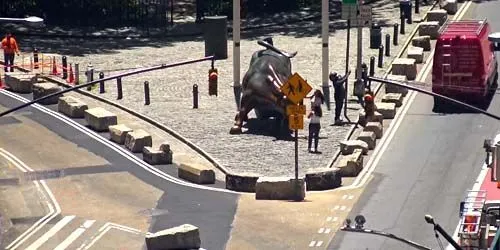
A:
(338, 122)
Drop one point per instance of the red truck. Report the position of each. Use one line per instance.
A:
(465, 65)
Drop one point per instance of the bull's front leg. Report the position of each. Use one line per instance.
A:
(247, 104)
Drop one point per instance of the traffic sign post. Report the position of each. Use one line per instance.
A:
(295, 90)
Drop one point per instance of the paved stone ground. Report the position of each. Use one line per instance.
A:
(208, 126)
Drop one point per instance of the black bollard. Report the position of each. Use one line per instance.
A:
(146, 93)
(119, 88)
(417, 6)
(402, 30)
(387, 45)
(372, 66)
(380, 56)
(101, 83)
(65, 67)
(195, 96)
(35, 57)
(395, 35)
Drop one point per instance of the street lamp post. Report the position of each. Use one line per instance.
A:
(32, 21)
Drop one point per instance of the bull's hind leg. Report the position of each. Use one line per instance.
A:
(247, 104)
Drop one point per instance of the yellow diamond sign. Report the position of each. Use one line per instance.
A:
(296, 88)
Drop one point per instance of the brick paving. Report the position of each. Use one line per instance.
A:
(208, 126)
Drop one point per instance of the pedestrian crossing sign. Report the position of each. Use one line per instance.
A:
(296, 122)
(296, 88)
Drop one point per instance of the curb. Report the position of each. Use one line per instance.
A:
(388, 71)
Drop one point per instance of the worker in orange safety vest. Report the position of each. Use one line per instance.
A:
(10, 48)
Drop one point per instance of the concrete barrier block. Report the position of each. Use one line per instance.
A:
(369, 137)
(375, 127)
(44, 89)
(405, 67)
(242, 182)
(422, 42)
(20, 83)
(136, 140)
(156, 156)
(389, 88)
(100, 119)
(350, 165)
(395, 98)
(279, 188)
(450, 6)
(196, 173)
(416, 53)
(118, 133)
(182, 237)
(71, 107)
(323, 179)
(430, 29)
(439, 16)
(376, 118)
(347, 147)
(388, 110)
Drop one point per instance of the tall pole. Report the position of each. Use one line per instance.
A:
(325, 38)
(236, 52)
(360, 45)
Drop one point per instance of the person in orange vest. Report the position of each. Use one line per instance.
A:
(10, 48)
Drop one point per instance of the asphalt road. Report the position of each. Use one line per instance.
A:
(429, 165)
(211, 211)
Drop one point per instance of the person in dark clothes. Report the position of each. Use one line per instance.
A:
(339, 94)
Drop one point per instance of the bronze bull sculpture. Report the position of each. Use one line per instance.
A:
(269, 69)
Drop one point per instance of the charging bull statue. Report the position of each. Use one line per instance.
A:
(269, 70)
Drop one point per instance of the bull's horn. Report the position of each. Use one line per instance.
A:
(271, 47)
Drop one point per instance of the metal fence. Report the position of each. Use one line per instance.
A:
(96, 13)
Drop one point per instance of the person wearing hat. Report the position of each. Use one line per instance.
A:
(370, 107)
(10, 48)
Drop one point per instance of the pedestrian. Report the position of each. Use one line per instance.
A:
(314, 127)
(317, 99)
(339, 94)
(9, 46)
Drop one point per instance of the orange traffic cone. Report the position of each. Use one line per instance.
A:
(54, 67)
(71, 78)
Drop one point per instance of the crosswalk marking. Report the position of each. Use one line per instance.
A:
(75, 234)
(56, 228)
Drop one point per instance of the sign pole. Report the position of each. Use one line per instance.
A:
(236, 53)
(347, 65)
(360, 44)
(297, 187)
(325, 39)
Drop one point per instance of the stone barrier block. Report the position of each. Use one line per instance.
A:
(100, 119)
(405, 67)
(422, 42)
(347, 147)
(439, 16)
(416, 53)
(450, 6)
(279, 188)
(369, 137)
(375, 127)
(136, 140)
(182, 237)
(242, 182)
(388, 110)
(395, 98)
(196, 173)
(376, 118)
(71, 107)
(430, 29)
(350, 165)
(20, 83)
(156, 156)
(323, 179)
(44, 89)
(118, 133)
(389, 88)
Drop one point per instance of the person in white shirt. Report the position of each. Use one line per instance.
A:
(317, 99)
(314, 128)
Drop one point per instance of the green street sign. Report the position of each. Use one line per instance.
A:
(349, 2)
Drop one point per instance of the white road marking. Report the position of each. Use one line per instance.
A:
(321, 230)
(54, 208)
(75, 234)
(103, 230)
(327, 231)
(336, 207)
(49, 234)
(116, 148)
(319, 243)
(350, 197)
(343, 208)
(313, 243)
(335, 218)
(329, 218)
(344, 196)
